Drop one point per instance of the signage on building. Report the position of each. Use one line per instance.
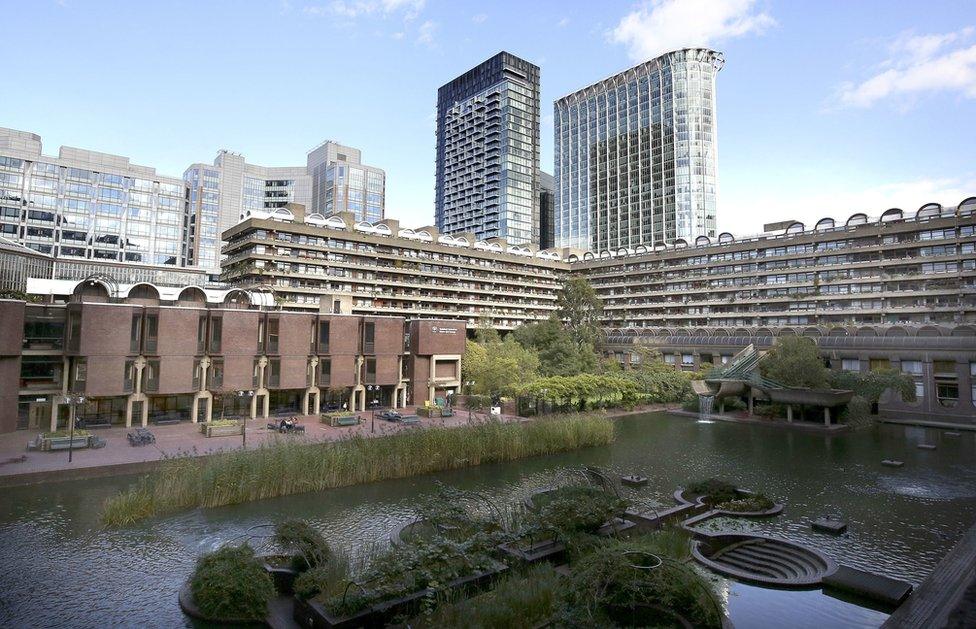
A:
(439, 330)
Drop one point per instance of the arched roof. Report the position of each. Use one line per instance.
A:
(859, 218)
(703, 241)
(192, 294)
(896, 331)
(680, 243)
(725, 237)
(866, 331)
(825, 223)
(893, 214)
(796, 227)
(812, 332)
(143, 290)
(335, 222)
(967, 204)
(929, 210)
(964, 330)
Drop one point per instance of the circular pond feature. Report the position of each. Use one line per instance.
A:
(763, 560)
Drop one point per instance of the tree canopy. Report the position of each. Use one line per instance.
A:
(794, 361)
(558, 354)
(580, 309)
(871, 385)
(497, 366)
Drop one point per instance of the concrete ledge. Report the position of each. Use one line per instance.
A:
(929, 423)
(78, 473)
(872, 586)
(833, 429)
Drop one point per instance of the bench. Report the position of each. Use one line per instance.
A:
(410, 420)
(59, 444)
(94, 423)
(347, 420)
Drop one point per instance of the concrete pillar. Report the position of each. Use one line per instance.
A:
(254, 405)
(266, 411)
(54, 413)
(194, 409)
(128, 412)
(721, 406)
(826, 416)
(145, 413)
(789, 413)
(305, 403)
(750, 402)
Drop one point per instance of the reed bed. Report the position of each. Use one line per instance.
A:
(286, 467)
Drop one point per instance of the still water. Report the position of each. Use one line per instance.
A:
(59, 568)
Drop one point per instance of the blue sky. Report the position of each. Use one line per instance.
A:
(824, 108)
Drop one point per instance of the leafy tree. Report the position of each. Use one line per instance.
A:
(794, 361)
(498, 366)
(658, 381)
(558, 353)
(583, 389)
(871, 385)
(581, 309)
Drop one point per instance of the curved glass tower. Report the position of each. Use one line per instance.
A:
(636, 153)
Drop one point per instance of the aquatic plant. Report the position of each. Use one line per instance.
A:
(304, 542)
(637, 583)
(747, 503)
(713, 491)
(284, 467)
(231, 583)
(575, 508)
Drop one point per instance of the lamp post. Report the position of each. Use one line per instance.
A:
(372, 406)
(469, 384)
(241, 394)
(72, 400)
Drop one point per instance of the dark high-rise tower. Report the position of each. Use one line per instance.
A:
(488, 151)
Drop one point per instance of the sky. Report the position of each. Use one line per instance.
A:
(824, 108)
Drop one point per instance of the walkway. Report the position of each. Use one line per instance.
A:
(947, 598)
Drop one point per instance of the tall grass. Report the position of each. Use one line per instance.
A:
(285, 467)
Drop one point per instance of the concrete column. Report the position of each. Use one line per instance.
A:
(721, 406)
(267, 405)
(54, 413)
(145, 413)
(193, 409)
(750, 402)
(128, 412)
(254, 405)
(826, 416)
(318, 404)
(789, 413)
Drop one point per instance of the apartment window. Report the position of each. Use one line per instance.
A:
(202, 334)
(972, 380)
(135, 334)
(128, 376)
(850, 364)
(197, 375)
(274, 372)
(216, 328)
(256, 375)
(272, 335)
(946, 383)
(150, 376)
(151, 333)
(261, 328)
(74, 330)
(323, 336)
(216, 376)
(879, 364)
(325, 372)
(913, 367)
(669, 359)
(79, 374)
(369, 335)
(369, 371)
(313, 340)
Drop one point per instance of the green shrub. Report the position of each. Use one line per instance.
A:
(857, 413)
(325, 579)
(575, 508)
(304, 542)
(607, 589)
(713, 491)
(755, 502)
(65, 433)
(231, 583)
(519, 600)
(691, 404)
(222, 422)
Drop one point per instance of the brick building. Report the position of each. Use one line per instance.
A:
(141, 353)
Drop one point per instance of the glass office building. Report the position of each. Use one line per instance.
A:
(88, 206)
(342, 183)
(636, 154)
(487, 161)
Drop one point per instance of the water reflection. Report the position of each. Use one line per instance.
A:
(60, 568)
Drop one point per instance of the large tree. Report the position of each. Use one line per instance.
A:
(580, 308)
(498, 366)
(558, 353)
(794, 361)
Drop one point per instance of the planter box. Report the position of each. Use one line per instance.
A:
(544, 550)
(280, 570)
(429, 412)
(221, 431)
(63, 443)
(313, 614)
(341, 420)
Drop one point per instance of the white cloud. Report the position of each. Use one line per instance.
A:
(353, 9)
(918, 64)
(425, 34)
(744, 212)
(562, 23)
(659, 26)
(479, 18)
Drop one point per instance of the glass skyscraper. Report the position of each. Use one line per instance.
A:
(342, 183)
(635, 155)
(487, 180)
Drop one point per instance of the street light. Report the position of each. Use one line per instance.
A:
(469, 384)
(242, 394)
(72, 400)
(372, 406)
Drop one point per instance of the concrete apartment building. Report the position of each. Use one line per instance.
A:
(391, 270)
(342, 183)
(487, 159)
(220, 194)
(85, 205)
(636, 155)
(191, 354)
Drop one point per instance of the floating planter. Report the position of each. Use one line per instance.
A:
(828, 524)
(893, 463)
(634, 480)
(535, 551)
(885, 590)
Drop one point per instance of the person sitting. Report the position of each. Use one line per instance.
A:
(283, 425)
